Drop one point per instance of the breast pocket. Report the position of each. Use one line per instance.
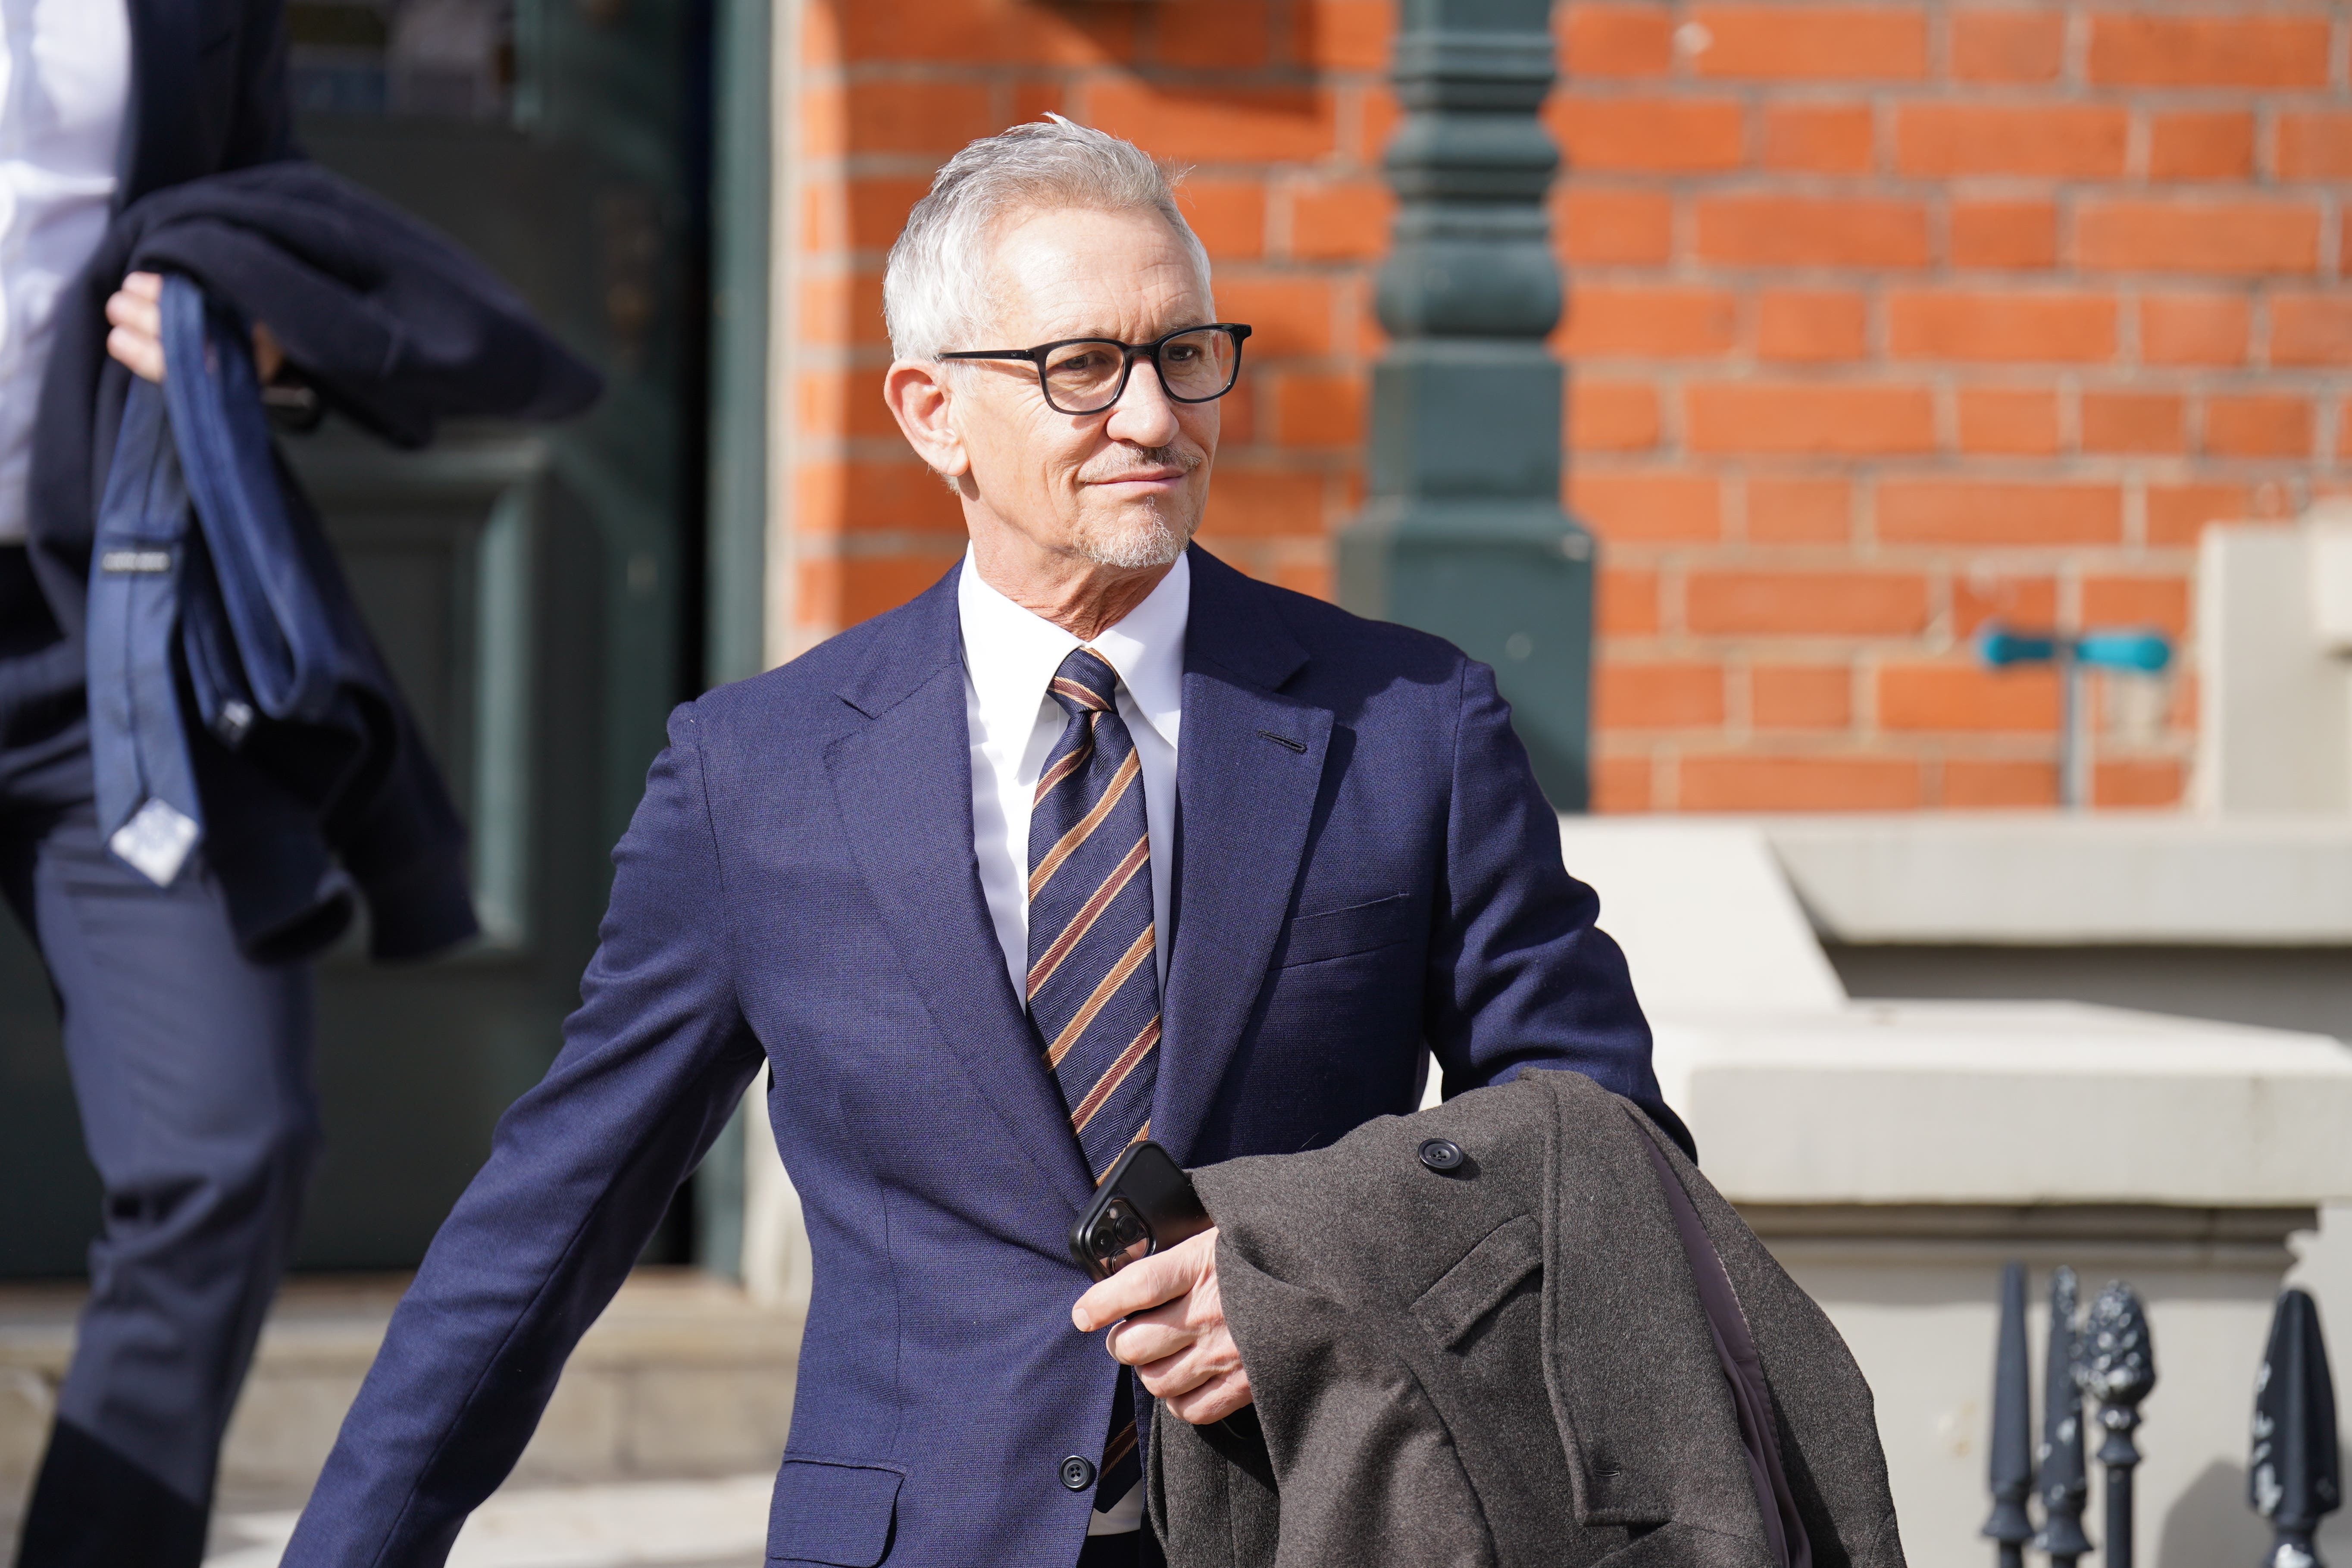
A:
(834, 1513)
(1358, 928)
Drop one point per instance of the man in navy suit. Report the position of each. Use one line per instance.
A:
(190, 1059)
(1096, 840)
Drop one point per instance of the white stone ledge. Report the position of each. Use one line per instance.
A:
(1999, 1103)
(2044, 878)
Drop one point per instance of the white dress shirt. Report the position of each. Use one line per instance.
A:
(1009, 658)
(65, 84)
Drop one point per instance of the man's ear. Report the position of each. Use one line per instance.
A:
(919, 399)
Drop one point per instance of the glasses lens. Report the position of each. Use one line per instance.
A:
(1082, 377)
(1198, 366)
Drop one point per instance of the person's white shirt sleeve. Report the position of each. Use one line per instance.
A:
(65, 91)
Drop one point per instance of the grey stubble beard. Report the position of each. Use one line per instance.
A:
(1156, 543)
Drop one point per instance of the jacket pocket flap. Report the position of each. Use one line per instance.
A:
(1358, 928)
(836, 1514)
(1477, 1284)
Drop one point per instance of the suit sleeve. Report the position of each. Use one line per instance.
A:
(1520, 975)
(582, 1170)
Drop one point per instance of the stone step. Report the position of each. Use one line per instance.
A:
(683, 1377)
(611, 1524)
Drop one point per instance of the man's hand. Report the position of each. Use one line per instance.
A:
(135, 315)
(1174, 1332)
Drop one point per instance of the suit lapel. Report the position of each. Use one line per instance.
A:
(1249, 767)
(903, 786)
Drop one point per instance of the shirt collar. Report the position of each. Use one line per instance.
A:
(1010, 654)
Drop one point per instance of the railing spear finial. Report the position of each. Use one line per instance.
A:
(2118, 1370)
(2065, 1486)
(2293, 1478)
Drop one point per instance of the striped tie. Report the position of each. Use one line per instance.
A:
(1093, 983)
(1094, 986)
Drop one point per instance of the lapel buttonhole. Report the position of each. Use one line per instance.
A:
(1299, 746)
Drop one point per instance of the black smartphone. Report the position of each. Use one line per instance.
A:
(1144, 1204)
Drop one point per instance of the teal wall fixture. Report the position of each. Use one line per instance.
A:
(1463, 534)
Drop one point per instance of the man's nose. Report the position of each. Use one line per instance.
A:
(1143, 414)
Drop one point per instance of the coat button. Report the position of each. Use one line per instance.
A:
(1078, 1472)
(1442, 1154)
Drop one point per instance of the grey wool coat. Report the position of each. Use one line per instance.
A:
(1508, 1362)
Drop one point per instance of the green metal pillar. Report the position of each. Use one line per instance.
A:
(735, 587)
(1463, 534)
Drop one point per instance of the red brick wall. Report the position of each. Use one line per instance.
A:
(1884, 320)
(1888, 319)
(1282, 112)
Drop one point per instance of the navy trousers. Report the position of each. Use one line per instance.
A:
(191, 1065)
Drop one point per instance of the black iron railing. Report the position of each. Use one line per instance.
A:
(2293, 1478)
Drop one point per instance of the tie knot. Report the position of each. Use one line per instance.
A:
(1085, 683)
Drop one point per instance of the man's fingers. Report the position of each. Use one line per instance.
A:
(143, 353)
(1144, 1284)
(1210, 1356)
(136, 323)
(1177, 1375)
(1181, 1349)
(1139, 1287)
(1150, 1336)
(1213, 1400)
(124, 309)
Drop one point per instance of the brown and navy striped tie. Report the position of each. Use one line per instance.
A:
(1093, 984)
(1094, 981)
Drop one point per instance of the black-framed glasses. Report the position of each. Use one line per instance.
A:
(1086, 376)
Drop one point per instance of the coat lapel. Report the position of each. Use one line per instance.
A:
(1249, 767)
(903, 786)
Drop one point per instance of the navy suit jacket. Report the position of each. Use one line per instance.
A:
(1366, 873)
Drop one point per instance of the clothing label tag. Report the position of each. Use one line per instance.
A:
(134, 561)
(155, 841)
(235, 719)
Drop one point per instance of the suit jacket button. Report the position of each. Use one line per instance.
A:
(1078, 1472)
(1442, 1154)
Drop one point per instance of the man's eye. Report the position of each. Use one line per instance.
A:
(1084, 361)
(1183, 353)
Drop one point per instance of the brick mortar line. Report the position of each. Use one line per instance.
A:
(1675, 371)
(1965, 186)
(1208, 79)
(1816, 92)
(876, 544)
(2011, 564)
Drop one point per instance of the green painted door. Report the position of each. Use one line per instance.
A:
(537, 590)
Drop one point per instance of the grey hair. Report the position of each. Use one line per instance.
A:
(935, 287)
